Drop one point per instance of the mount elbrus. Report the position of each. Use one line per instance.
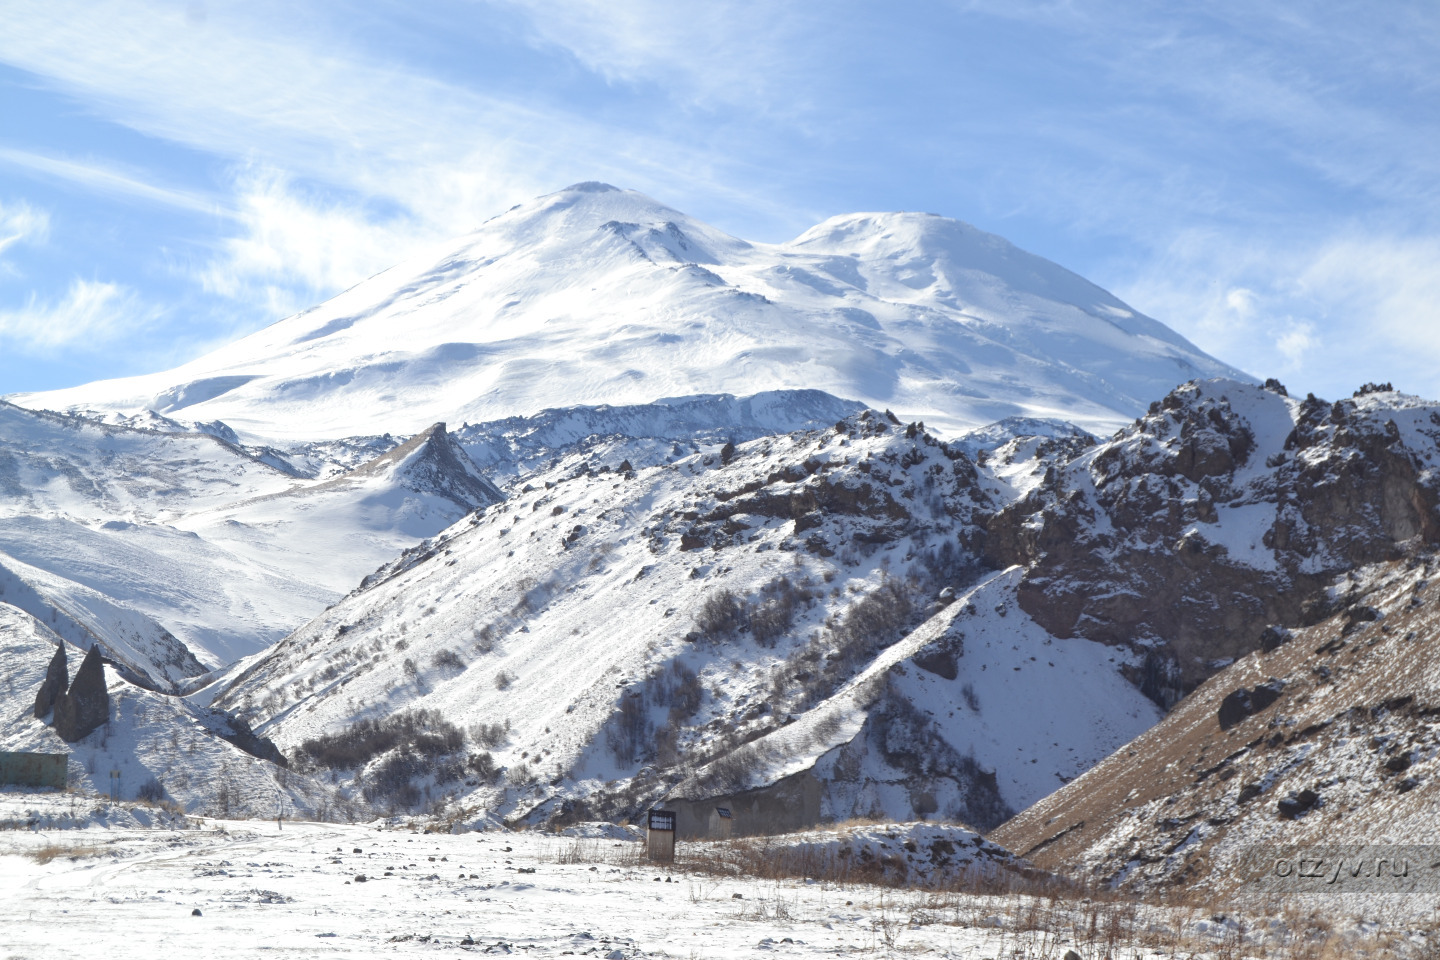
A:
(765, 590)
(595, 295)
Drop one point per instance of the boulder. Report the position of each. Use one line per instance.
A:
(1273, 638)
(1243, 703)
(86, 705)
(1296, 805)
(56, 678)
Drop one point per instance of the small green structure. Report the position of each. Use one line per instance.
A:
(34, 770)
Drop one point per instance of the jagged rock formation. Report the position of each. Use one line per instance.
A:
(1345, 749)
(431, 461)
(85, 707)
(57, 677)
(1224, 510)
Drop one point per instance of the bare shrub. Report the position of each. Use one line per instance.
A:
(503, 681)
(447, 659)
(483, 765)
(150, 791)
(971, 700)
(488, 735)
(423, 732)
(629, 729)
(722, 614)
(770, 620)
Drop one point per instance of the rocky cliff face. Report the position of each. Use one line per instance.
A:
(1225, 509)
(1330, 737)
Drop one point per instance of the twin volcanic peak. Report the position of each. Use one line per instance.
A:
(595, 295)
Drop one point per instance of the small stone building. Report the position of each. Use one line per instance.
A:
(34, 770)
(789, 804)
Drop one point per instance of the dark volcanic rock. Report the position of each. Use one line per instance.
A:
(1297, 804)
(86, 706)
(1243, 703)
(1273, 638)
(257, 746)
(56, 678)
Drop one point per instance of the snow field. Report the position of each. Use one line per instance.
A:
(263, 890)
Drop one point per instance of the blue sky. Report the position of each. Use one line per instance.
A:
(1265, 178)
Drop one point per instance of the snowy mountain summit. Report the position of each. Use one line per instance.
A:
(596, 295)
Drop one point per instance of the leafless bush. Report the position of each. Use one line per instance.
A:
(722, 614)
(483, 765)
(488, 735)
(423, 732)
(629, 729)
(971, 700)
(447, 659)
(732, 771)
(503, 681)
(150, 791)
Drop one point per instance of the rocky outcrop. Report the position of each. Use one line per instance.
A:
(57, 676)
(85, 707)
(1226, 510)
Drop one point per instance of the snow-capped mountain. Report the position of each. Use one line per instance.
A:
(595, 295)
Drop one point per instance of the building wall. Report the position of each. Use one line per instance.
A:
(785, 806)
(34, 769)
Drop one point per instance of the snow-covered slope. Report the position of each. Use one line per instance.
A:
(597, 295)
(159, 744)
(627, 631)
(180, 551)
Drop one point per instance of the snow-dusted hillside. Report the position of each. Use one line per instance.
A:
(161, 745)
(1225, 509)
(594, 295)
(180, 551)
(617, 632)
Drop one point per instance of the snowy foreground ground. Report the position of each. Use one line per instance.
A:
(107, 883)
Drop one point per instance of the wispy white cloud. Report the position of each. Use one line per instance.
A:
(1330, 311)
(21, 223)
(91, 315)
(103, 179)
(292, 248)
(437, 157)
(752, 52)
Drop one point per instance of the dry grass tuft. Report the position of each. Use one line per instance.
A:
(56, 851)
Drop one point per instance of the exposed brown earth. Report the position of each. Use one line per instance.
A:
(1347, 753)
